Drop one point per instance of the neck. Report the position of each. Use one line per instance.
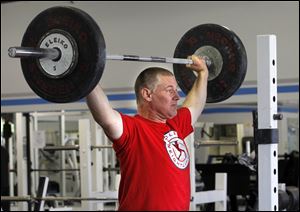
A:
(147, 113)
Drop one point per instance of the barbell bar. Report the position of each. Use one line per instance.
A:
(54, 54)
(63, 54)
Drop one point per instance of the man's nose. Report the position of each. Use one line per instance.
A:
(176, 95)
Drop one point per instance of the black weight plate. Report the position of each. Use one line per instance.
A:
(233, 54)
(91, 54)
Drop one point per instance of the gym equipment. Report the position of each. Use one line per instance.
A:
(63, 55)
(73, 147)
(49, 198)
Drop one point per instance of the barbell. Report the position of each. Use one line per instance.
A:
(63, 55)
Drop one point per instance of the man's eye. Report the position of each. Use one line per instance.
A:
(171, 91)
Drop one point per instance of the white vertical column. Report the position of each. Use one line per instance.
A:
(35, 155)
(267, 108)
(221, 184)
(21, 162)
(105, 162)
(266, 81)
(85, 162)
(190, 145)
(97, 168)
(62, 153)
(11, 167)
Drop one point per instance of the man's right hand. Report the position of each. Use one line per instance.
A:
(198, 65)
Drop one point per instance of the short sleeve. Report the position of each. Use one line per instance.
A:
(183, 120)
(128, 129)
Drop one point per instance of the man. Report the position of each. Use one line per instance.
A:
(154, 160)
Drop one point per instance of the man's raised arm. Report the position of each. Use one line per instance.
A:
(108, 118)
(196, 98)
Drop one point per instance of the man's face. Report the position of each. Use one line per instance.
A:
(165, 97)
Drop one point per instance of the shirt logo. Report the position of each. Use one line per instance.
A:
(176, 149)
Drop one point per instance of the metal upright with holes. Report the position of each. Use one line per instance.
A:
(267, 123)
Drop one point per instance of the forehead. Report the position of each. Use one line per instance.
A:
(164, 80)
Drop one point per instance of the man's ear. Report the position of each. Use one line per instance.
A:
(146, 94)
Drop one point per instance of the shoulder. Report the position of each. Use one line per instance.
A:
(183, 111)
(182, 117)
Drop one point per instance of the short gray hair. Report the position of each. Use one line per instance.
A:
(148, 78)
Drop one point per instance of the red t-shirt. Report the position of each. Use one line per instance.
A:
(154, 163)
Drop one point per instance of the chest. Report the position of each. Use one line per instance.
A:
(161, 146)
